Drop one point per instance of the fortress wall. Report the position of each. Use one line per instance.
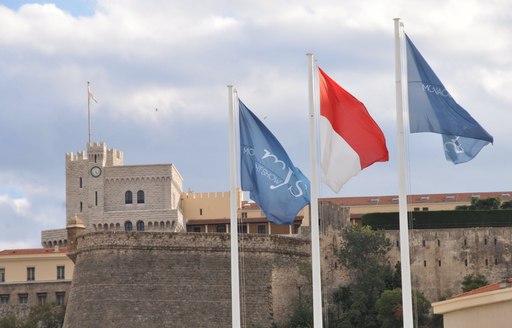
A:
(440, 258)
(181, 280)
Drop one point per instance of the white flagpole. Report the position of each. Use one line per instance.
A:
(401, 107)
(235, 282)
(315, 234)
(89, 110)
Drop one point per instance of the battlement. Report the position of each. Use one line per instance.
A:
(205, 195)
(79, 156)
(114, 157)
(96, 147)
(98, 150)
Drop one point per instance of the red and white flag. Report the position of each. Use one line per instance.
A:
(349, 137)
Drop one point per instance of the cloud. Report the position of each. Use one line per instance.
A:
(179, 56)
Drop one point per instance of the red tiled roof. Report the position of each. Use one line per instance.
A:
(411, 199)
(419, 198)
(485, 289)
(33, 251)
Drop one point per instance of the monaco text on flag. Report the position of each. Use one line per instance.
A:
(432, 109)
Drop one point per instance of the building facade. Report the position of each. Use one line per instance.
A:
(34, 276)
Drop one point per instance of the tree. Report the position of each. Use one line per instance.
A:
(302, 305)
(363, 252)
(472, 281)
(40, 316)
(492, 203)
(389, 308)
(506, 205)
(9, 321)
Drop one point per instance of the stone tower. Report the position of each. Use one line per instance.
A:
(108, 195)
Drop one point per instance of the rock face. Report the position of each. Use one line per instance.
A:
(156, 279)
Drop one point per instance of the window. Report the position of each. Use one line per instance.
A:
(140, 197)
(60, 272)
(424, 263)
(496, 261)
(2, 275)
(495, 241)
(60, 297)
(466, 262)
(423, 242)
(96, 198)
(485, 241)
(221, 228)
(80, 183)
(140, 225)
(31, 274)
(81, 206)
(262, 229)
(41, 298)
(197, 229)
(439, 262)
(438, 242)
(4, 298)
(128, 226)
(242, 228)
(424, 208)
(23, 298)
(244, 215)
(486, 262)
(416, 209)
(200, 211)
(128, 197)
(465, 242)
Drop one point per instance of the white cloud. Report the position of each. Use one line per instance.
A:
(19, 205)
(178, 56)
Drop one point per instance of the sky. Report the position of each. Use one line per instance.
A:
(160, 69)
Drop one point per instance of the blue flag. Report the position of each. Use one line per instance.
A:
(432, 109)
(279, 188)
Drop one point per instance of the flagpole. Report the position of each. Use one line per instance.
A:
(315, 234)
(235, 282)
(89, 110)
(401, 106)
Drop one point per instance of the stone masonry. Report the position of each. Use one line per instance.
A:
(156, 279)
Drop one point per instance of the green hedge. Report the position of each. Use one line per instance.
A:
(441, 219)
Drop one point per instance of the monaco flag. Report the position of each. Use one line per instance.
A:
(350, 139)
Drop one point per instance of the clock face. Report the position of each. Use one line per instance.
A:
(95, 171)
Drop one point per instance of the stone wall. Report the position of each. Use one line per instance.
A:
(154, 279)
(440, 258)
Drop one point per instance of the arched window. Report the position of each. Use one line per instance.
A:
(128, 197)
(140, 225)
(140, 197)
(128, 226)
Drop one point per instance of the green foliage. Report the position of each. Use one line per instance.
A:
(9, 321)
(472, 281)
(389, 308)
(362, 248)
(506, 205)
(40, 316)
(364, 253)
(302, 316)
(302, 305)
(442, 219)
(492, 203)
